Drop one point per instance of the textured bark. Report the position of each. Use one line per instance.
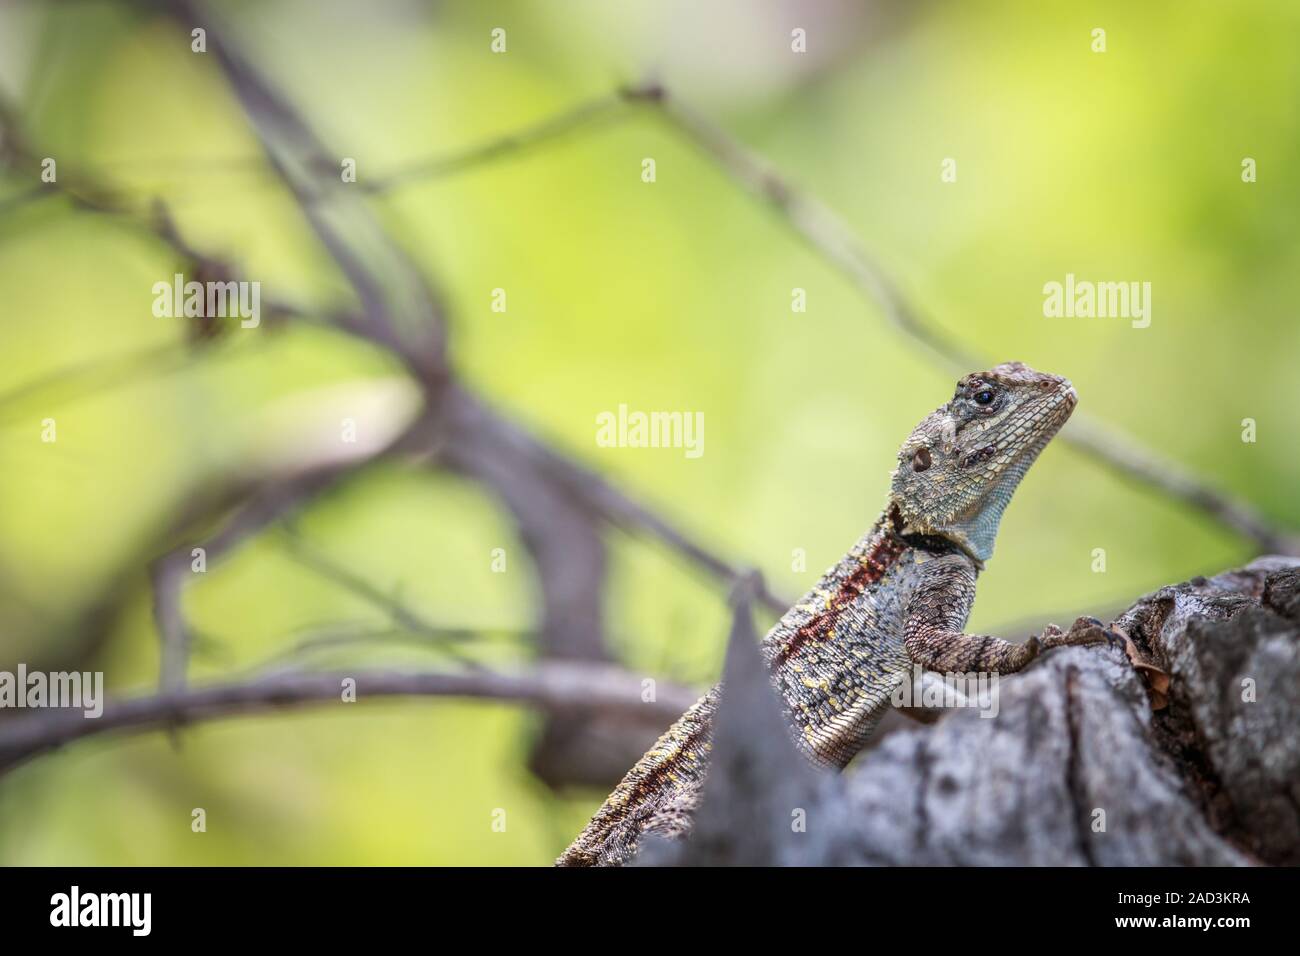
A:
(1187, 768)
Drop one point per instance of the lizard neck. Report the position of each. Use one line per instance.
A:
(976, 529)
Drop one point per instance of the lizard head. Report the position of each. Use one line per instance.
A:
(958, 469)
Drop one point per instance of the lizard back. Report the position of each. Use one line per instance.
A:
(835, 658)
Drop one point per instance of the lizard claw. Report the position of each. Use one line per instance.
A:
(1092, 624)
(1084, 631)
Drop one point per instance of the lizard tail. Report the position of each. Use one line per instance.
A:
(658, 795)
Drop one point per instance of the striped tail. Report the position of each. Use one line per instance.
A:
(658, 795)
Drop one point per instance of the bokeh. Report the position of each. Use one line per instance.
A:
(1122, 165)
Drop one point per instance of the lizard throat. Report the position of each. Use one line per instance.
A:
(976, 528)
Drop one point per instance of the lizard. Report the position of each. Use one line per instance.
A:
(899, 598)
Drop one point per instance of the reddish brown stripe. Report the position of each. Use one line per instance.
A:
(653, 782)
(882, 555)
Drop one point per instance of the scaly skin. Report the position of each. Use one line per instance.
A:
(900, 597)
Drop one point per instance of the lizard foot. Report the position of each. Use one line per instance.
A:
(1084, 631)
(1034, 646)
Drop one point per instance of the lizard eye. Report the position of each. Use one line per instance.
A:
(984, 397)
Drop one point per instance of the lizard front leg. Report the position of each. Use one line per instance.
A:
(937, 611)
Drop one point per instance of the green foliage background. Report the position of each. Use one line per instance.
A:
(1116, 166)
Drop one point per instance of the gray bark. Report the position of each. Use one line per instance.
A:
(1199, 768)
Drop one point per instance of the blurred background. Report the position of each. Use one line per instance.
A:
(673, 295)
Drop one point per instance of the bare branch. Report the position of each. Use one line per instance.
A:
(478, 421)
(555, 687)
(291, 147)
(267, 110)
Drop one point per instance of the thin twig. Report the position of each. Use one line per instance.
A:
(824, 231)
(337, 637)
(96, 376)
(255, 506)
(448, 639)
(602, 109)
(166, 577)
(830, 236)
(474, 429)
(288, 143)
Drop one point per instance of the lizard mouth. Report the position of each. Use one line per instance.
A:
(1061, 402)
(1069, 399)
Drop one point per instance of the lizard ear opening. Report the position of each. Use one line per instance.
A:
(921, 460)
(896, 518)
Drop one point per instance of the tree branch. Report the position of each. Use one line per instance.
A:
(555, 687)
(288, 142)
